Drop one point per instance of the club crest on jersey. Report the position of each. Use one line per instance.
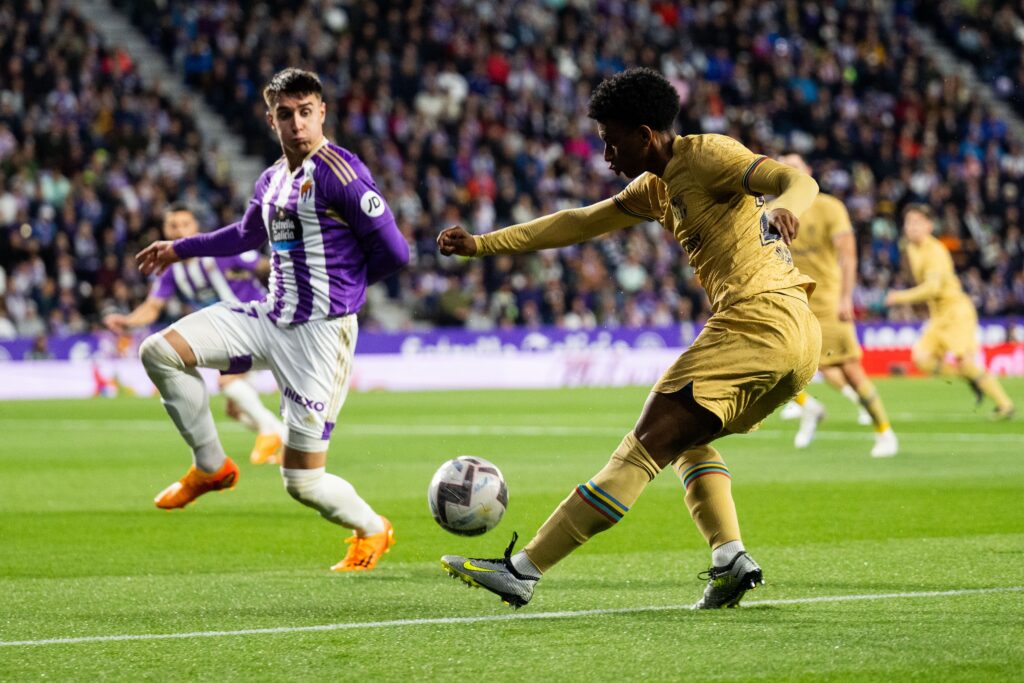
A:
(285, 229)
(306, 191)
(678, 209)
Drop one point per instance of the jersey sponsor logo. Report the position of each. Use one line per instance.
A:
(693, 243)
(678, 208)
(285, 229)
(372, 204)
(302, 401)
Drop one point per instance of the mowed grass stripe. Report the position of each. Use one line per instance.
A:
(447, 621)
(370, 429)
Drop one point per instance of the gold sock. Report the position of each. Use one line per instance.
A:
(801, 398)
(595, 505)
(709, 494)
(988, 384)
(873, 404)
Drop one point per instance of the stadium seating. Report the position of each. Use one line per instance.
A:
(492, 131)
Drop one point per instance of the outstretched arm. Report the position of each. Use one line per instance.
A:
(144, 314)
(232, 239)
(928, 289)
(559, 229)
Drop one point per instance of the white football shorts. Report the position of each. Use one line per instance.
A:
(311, 362)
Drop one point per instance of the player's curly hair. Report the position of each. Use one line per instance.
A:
(637, 97)
(292, 81)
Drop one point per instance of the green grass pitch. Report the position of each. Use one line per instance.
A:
(83, 552)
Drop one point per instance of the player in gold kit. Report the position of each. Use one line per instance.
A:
(759, 348)
(952, 326)
(827, 252)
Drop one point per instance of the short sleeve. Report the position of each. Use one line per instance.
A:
(640, 198)
(360, 204)
(722, 165)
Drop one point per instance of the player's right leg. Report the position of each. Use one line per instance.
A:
(669, 424)
(215, 337)
(171, 365)
(833, 374)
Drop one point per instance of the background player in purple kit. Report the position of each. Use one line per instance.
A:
(199, 283)
(332, 235)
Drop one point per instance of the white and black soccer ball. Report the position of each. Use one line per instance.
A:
(468, 496)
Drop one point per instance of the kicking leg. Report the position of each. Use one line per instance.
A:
(669, 424)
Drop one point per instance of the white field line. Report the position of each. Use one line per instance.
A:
(127, 425)
(518, 616)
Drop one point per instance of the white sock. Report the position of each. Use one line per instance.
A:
(334, 498)
(249, 404)
(850, 393)
(524, 565)
(723, 554)
(183, 393)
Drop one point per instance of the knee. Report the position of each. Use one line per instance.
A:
(693, 457)
(156, 354)
(302, 484)
(231, 408)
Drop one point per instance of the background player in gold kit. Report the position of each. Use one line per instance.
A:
(952, 326)
(827, 252)
(758, 349)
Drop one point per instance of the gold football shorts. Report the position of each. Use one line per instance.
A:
(838, 341)
(750, 358)
(953, 330)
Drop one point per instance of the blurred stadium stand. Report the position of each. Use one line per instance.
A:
(476, 113)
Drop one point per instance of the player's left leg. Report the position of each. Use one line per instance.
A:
(307, 481)
(837, 380)
(886, 443)
(244, 405)
(313, 365)
(987, 385)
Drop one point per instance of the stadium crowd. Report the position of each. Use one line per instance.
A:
(475, 113)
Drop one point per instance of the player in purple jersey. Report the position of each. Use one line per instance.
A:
(331, 235)
(201, 282)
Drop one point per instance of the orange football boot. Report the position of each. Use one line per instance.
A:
(364, 552)
(267, 449)
(195, 483)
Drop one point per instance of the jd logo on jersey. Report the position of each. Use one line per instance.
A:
(285, 228)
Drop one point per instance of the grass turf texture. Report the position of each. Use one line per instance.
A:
(84, 552)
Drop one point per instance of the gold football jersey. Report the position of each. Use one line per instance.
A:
(814, 251)
(706, 201)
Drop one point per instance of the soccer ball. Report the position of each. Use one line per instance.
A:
(468, 496)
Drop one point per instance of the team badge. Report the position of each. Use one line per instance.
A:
(678, 209)
(306, 191)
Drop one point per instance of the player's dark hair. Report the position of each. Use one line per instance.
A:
(292, 81)
(636, 97)
(175, 207)
(922, 209)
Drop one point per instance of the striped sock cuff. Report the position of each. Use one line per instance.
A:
(697, 471)
(602, 501)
